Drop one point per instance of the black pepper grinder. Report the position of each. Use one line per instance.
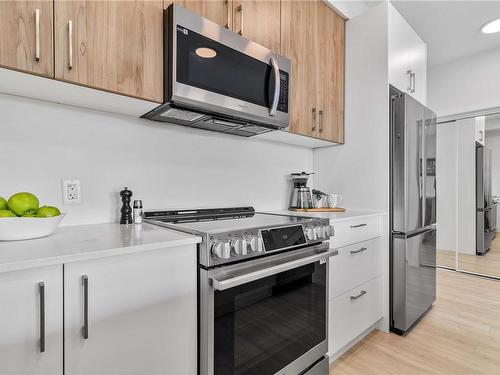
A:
(126, 210)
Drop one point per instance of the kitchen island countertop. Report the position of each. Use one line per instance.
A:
(83, 242)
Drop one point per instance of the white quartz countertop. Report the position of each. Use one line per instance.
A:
(335, 216)
(83, 242)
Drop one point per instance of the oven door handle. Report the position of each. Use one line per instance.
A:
(229, 279)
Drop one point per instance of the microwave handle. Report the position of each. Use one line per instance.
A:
(276, 96)
(235, 278)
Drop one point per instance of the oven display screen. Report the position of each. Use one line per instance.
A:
(279, 238)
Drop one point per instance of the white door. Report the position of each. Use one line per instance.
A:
(31, 321)
(141, 311)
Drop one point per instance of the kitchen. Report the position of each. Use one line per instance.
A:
(76, 78)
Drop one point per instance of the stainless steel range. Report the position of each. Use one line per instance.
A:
(263, 294)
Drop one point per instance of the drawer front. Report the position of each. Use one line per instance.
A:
(357, 230)
(355, 265)
(354, 312)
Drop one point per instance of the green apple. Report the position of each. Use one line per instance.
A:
(3, 204)
(48, 211)
(7, 213)
(23, 203)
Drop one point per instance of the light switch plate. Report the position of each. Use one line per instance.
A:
(72, 191)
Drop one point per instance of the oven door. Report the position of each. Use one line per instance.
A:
(216, 70)
(266, 316)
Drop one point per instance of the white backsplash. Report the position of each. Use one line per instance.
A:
(165, 166)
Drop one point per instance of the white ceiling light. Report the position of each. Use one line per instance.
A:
(491, 27)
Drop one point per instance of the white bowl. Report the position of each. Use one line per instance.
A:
(26, 228)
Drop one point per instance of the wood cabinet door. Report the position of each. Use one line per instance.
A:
(26, 307)
(218, 11)
(331, 75)
(299, 43)
(111, 45)
(258, 21)
(141, 314)
(26, 35)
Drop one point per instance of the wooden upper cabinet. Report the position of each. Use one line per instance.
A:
(25, 43)
(218, 11)
(299, 43)
(259, 21)
(331, 74)
(256, 20)
(111, 45)
(312, 37)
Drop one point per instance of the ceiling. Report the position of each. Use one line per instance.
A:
(451, 29)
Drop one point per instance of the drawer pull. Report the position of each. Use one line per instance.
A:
(359, 225)
(85, 328)
(361, 294)
(41, 292)
(358, 251)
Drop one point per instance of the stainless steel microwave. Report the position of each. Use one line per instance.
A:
(218, 80)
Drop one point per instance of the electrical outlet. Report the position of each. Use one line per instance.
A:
(72, 191)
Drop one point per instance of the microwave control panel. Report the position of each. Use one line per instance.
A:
(283, 100)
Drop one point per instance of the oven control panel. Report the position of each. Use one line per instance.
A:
(249, 243)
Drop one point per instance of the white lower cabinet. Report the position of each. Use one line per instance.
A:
(31, 321)
(355, 280)
(354, 265)
(352, 231)
(132, 314)
(354, 312)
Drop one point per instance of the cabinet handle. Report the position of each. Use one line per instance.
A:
(228, 13)
(408, 86)
(361, 294)
(70, 45)
(85, 328)
(480, 135)
(358, 251)
(314, 119)
(240, 9)
(37, 34)
(320, 121)
(41, 292)
(358, 225)
(412, 82)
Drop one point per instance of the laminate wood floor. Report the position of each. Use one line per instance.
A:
(459, 336)
(487, 264)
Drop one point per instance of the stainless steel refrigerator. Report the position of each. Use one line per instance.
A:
(413, 210)
(485, 209)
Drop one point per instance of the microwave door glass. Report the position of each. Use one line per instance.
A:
(209, 65)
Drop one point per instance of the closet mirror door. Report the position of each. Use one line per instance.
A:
(446, 194)
(479, 186)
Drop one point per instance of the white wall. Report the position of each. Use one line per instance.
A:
(165, 166)
(467, 84)
(359, 170)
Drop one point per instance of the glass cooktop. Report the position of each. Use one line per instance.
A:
(203, 222)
